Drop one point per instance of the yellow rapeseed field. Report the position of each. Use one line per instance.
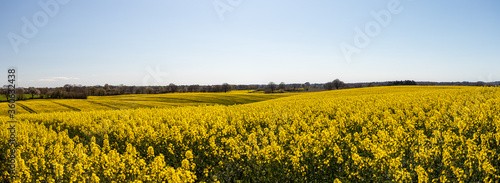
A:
(380, 134)
(135, 101)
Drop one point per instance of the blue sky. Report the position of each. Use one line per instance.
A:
(159, 42)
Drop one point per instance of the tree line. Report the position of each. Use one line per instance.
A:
(69, 91)
(282, 87)
(82, 92)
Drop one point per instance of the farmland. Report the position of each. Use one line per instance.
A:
(395, 134)
(121, 102)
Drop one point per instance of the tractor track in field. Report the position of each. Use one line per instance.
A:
(67, 106)
(105, 105)
(27, 108)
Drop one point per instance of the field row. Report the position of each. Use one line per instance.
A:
(123, 102)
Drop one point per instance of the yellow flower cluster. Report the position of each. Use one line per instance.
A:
(397, 134)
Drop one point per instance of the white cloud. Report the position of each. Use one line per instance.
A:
(53, 79)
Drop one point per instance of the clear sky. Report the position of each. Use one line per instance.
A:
(157, 42)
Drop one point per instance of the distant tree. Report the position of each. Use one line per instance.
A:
(92, 90)
(372, 85)
(139, 90)
(282, 86)
(252, 87)
(121, 90)
(489, 85)
(242, 87)
(206, 88)
(81, 91)
(193, 88)
(271, 86)
(101, 92)
(409, 82)
(130, 90)
(480, 83)
(161, 89)
(305, 86)
(4, 92)
(406, 82)
(33, 91)
(172, 88)
(59, 93)
(44, 91)
(226, 87)
(68, 87)
(328, 86)
(150, 90)
(216, 88)
(338, 84)
(106, 87)
(20, 94)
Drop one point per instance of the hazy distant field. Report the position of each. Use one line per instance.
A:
(2, 97)
(139, 101)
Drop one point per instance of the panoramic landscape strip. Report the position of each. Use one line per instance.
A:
(396, 133)
(244, 91)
